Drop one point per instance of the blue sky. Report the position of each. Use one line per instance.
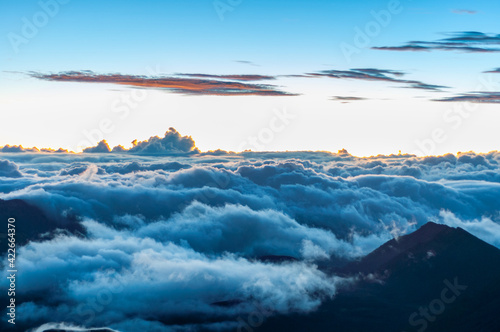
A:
(164, 38)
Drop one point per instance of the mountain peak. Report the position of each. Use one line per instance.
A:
(432, 228)
(430, 238)
(408, 275)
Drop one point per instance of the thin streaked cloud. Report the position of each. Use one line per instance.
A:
(493, 71)
(464, 11)
(465, 41)
(347, 99)
(373, 74)
(474, 97)
(189, 86)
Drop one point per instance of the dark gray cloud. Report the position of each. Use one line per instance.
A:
(192, 86)
(368, 74)
(474, 97)
(246, 62)
(425, 86)
(347, 99)
(464, 11)
(493, 71)
(232, 77)
(373, 74)
(465, 41)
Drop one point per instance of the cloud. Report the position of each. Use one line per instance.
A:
(232, 77)
(474, 97)
(60, 150)
(68, 328)
(17, 148)
(181, 283)
(102, 147)
(172, 142)
(241, 230)
(9, 169)
(464, 11)
(245, 62)
(135, 166)
(425, 86)
(493, 71)
(190, 86)
(465, 41)
(368, 74)
(372, 74)
(485, 228)
(347, 99)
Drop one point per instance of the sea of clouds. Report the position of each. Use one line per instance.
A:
(175, 242)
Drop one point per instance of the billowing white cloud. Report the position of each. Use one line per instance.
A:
(9, 169)
(111, 280)
(485, 228)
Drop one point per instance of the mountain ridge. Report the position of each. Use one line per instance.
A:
(400, 282)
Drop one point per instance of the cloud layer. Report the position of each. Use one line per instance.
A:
(178, 243)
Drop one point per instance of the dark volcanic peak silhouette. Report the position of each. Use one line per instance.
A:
(393, 249)
(401, 286)
(32, 224)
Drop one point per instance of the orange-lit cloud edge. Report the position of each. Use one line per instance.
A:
(174, 144)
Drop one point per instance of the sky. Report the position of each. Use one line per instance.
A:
(373, 77)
